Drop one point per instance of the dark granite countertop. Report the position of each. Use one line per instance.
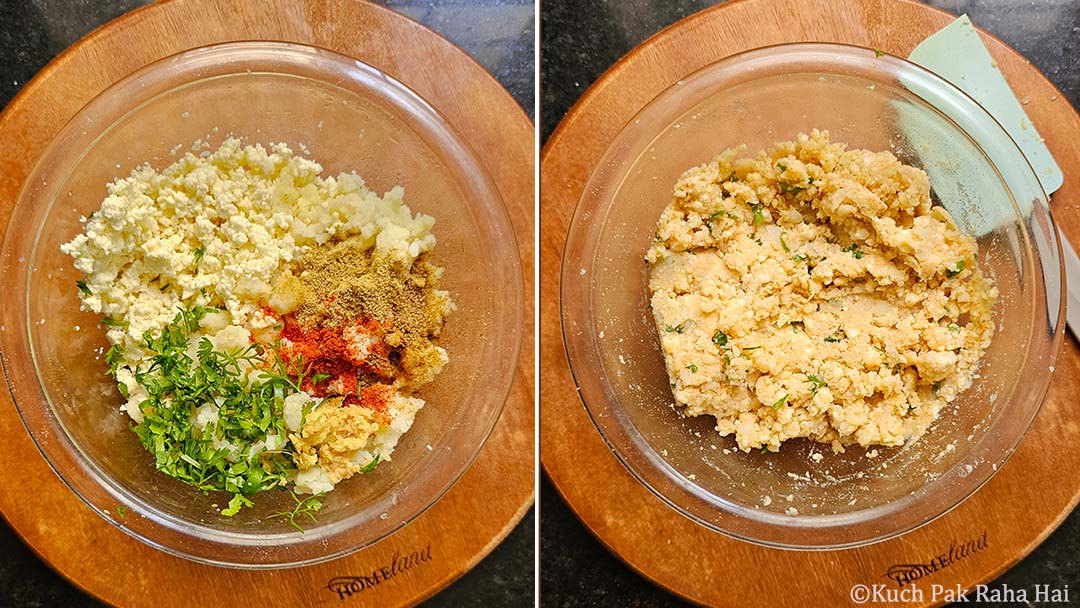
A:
(498, 33)
(580, 39)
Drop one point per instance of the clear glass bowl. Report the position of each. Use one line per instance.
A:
(758, 98)
(349, 116)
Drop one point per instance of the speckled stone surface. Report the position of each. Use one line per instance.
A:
(498, 33)
(580, 39)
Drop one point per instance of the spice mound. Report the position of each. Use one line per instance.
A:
(815, 291)
(269, 326)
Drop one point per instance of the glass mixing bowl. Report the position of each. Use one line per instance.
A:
(786, 499)
(349, 116)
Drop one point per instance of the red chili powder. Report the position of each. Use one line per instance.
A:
(325, 350)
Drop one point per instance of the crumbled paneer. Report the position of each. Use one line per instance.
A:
(815, 292)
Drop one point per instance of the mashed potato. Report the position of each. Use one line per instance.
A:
(815, 292)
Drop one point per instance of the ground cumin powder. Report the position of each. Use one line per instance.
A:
(346, 283)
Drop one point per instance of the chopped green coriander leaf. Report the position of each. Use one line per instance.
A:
(199, 252)
(789, 188)
(752, 347)
(781, 166)
(178, 382)
(369, 467)
(816, 382)
(959, 268)
(720, 338)
(237, 502)
(853, 249)
(121, 510)
(878, 53)
(307, 507)
(81, 284)
(798, 257)
(672, 386)
(953, 327)
(797, 326)
(759, 217)
(680, 328)
(783, 243)
(732, 177)
(758, 241)
(764, 449)
(779, 402)
(111, 322)
(692, 368)
(937, 386)
(113, 357)
(834, 338)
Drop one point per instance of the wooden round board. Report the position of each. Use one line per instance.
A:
(467, 523)
(1006, 519)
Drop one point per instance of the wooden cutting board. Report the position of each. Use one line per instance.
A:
(1007, 518)
(467, 523)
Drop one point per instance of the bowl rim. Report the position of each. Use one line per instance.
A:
(396, 93)
(792, 522)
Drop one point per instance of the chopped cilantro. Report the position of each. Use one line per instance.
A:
(878, 53)
(953, 327)
(798, 257)
(752, 347)
(369, 467)
(692, 368)
(797, 326)
(779, 402)
(249, 409)
(308, 506)
(789, 188)
(759, 217)
(680, 328)
(959, 268)
(199, 252)
(121, 510)
(237, 502)
(111, 322)
(83, 288)
(854, 250)
(816, 383)
(783, 243)
(720, 338)
(936, 386)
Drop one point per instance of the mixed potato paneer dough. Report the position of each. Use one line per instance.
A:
(814, 291)
(269, 325)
